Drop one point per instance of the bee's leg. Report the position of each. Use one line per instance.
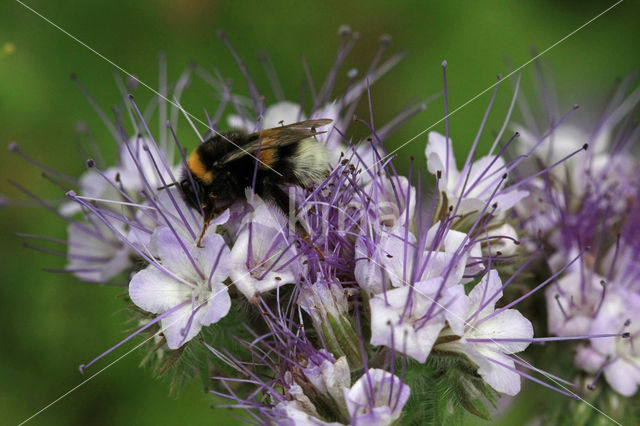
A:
(204, 229)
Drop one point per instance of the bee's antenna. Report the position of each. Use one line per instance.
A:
(167, 186)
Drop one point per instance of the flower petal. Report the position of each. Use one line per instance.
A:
(623, 377)
(440, 157)
(156, 292)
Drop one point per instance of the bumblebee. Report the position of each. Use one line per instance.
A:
(220, 169)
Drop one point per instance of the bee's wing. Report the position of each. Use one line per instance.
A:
(270, 139)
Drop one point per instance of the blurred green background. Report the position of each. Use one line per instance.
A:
(51, 323)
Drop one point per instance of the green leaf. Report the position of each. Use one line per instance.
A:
(445, 389)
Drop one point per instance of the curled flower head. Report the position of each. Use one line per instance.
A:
(588, 207)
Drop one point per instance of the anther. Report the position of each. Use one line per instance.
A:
(344, 30)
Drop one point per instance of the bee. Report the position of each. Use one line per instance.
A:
(220, 168)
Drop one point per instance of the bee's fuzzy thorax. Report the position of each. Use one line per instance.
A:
(309, 161)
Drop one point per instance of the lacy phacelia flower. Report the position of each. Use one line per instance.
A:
(185, 285)
(263, 258)
(480, 182)
(320, 314)
(95, 253)
(377, 398)
(135, 172)
(573, 301)
(329, 378)
(488, 336)
(390, 202)
(409, 319)
(617, 357)
(588, 208)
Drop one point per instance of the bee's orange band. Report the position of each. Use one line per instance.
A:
(268, 157)
(198, 169)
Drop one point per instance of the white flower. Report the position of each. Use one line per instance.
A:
(330, 376)
(95, 254)
(322, 298)
(572, 302)
(297, 409)
(263, 259)
(369, 271)
(188, 281)
(409, 319)
(503, 239)
(135, 170)
(474, 185)
(381, 408)
(390, 198)
(280, 113)
(292, 413)
(169, 209)
(486, 340)
(445, 253)
(619, 357)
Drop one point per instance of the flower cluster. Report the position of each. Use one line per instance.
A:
(590, 204)
(370, 296)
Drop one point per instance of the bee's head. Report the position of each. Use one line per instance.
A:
(214, 198)
(205, 184)
(194, 194)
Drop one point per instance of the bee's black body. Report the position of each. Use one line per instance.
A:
(219, 171)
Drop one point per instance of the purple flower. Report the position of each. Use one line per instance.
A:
(375, 269)
(616, 357)
(445, 252)
(390, 202)
(329, 377)
(586, 205)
